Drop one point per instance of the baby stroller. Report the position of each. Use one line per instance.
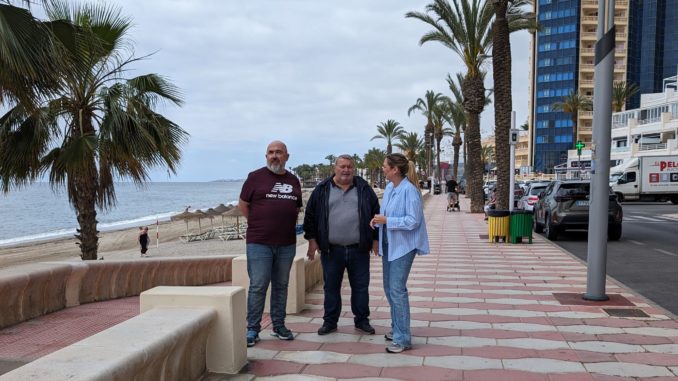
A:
(453, 202)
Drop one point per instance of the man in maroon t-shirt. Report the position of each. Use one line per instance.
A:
(270, 200)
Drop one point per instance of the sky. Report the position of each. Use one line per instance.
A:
(318, 75)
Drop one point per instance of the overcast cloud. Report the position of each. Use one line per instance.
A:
(319, 75)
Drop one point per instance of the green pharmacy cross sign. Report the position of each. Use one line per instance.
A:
(579, 146)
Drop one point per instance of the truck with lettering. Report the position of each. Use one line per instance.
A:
(646, 178)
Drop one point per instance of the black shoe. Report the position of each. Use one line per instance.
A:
(282, 333)
(365, 327)
(326, 328)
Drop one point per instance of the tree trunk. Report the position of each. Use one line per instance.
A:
(473, 90)
(389, 148)
(501, 63)
(428, 134)
(456, 142)
(438, 157)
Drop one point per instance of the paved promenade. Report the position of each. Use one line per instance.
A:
(480, 311)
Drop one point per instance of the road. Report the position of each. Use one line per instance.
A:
(646, 257)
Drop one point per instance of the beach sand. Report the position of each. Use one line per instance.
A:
(123, 244)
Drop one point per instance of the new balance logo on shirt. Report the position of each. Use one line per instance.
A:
(281, 191)
(282, 188)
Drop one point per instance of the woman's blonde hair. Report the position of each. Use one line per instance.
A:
(412, 174)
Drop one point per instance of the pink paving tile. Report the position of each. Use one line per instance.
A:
(432, 317)
(494, 333)
(343, 371)
(422, 373)
(262, 368)
(294, 345)
(663, 324)
(603, 377)
(571, 377)
(353, 348)
(588, 356)
(573, 336)
(503, 375)
(615, 322)
(635, 339)
(491, 319)
(434, 332)
(303, 327)
(649, 358)
(497, 352)
(559, 354)
(433, 350)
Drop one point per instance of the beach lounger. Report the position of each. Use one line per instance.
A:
(186, 238)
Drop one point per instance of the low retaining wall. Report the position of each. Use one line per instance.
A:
(304, 276)
(33, 290)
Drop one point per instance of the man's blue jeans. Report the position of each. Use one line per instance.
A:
(334, 263)
(395, 288)
(268, 264)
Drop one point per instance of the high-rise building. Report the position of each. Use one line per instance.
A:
(563, 63)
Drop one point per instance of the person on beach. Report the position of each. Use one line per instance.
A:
(144, 240)
(402, 235)
(337, 223)
(270, 200)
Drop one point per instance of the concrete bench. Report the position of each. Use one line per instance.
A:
(182, 333)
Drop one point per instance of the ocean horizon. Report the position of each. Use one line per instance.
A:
(37, 213)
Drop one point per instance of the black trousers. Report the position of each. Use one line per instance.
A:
(357, 263)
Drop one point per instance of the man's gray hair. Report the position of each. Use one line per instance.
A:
(344, 157)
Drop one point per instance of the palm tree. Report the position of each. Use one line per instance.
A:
(427, 106)
(331, 158)
(572, 104)
(411, 145)
(27, 58)
(466, 30)
(389, 130)
(374, 159)
(506, 19)
(442, 114)
(621, 92)
(488, 156)
(97, 127)
(458, 120)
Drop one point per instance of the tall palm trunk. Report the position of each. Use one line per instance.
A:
(389, 148)
(455, 163)
(428, 133)
(84, 183)
(501, 63)
(474, 102)
(438, 140)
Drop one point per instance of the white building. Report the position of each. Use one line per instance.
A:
(649, 130)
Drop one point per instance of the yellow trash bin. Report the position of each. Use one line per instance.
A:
(498, 223)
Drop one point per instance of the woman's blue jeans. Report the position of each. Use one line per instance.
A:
(395, 288)
(268, 264)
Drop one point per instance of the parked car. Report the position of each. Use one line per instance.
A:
(564, 204)
(531, 195)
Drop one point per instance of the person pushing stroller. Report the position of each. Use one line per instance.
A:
(451, 186)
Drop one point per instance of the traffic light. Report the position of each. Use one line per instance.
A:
(579, 146)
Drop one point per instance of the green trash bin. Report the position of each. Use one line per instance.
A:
(520, 226)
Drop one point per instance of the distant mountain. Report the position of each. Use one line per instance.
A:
(227, 180)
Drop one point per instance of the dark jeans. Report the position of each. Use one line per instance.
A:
(357, 262)
(268, 264)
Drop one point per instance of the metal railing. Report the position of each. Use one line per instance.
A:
(651, 147)
(649, 120)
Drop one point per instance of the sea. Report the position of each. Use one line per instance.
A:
(38, 213)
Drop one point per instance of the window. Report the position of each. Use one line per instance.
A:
(630, 177)
(543, 124)
(543, 109)
(563, 138)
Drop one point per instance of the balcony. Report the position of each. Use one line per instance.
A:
(587, 51)
(586, 114)
(651, 147)
(587, 82)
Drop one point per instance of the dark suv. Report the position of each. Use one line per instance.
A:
(564, 204)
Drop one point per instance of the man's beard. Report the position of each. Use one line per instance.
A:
(276, 168)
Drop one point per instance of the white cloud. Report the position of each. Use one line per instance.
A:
(318, 75)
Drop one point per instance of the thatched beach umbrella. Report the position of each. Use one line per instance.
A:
(221, 209)
(185, 215)
(235, 212)
(199, 214)
(211, 213)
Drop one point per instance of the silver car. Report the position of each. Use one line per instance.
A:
(531, 196)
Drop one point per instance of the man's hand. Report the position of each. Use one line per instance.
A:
(375, 248)
(312, 249)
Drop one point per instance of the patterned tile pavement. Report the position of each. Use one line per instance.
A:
(480, 311)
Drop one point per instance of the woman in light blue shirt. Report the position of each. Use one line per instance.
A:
(402, 235)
